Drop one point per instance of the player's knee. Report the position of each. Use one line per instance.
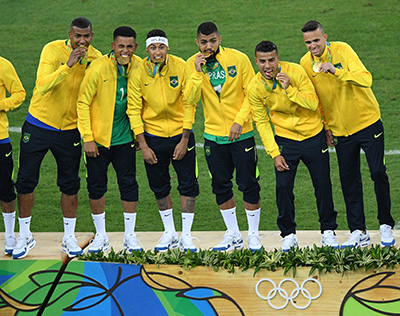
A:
(251, 194)
(7, 195)
(223, 197)
(71, 187)
(130, 194)
(190, 190)
(25, 186)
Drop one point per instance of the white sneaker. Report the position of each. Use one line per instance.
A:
(357, 238)
(10, 244)
(70, 247)
(24, 244)
(254, 243)
(100, 242)
(229, 242)
(289, 241)
(186, 243)
(387, 239)
(167, 241)
(131, 243)
(328, 238)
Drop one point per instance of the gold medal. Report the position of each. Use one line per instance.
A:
(123, 60)
(158, 60)
(316, 67)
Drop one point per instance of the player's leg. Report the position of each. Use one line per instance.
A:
(7, 196)
(372, 142)
(188, 187)
(221, 167)
(159, 182)
(315, 156)
(34, 144)
(66, 149)
(123, 158)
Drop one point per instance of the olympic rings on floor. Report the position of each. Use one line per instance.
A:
(299, 289)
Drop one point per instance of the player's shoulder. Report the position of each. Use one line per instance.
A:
(306, 58)
(232, 52)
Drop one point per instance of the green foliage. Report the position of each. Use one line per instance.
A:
(370, 27)
(321, 259)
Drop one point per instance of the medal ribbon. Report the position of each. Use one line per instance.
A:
(151, 69)
(124, 71)
(83, 60)
(328, 55)
(274, 83)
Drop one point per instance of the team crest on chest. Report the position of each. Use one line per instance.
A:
(338, 66)
(173, 81)
(232, 71)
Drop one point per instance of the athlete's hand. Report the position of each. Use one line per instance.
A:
(283, 79)
(200, 60)
(91, 149)
(329, 137)
(180, 149)
(148, 155)
(327, 67)
(77, 53)
(280, 163)
(235, 132)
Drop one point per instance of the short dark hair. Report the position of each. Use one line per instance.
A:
(207, 28)
(156, 32)
(266, 47)
(124, 31)
(311, 26)
(81, 23)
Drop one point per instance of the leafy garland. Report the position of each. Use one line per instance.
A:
(317, 258)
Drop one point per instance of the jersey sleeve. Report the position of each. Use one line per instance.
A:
(13, 85)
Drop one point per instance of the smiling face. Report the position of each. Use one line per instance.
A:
(268, 64)
(123, 48)
(80, 37)
(157, 52)
(208, 44)
(315, 42)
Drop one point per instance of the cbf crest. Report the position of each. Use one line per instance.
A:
(173, 81)
(232, 71)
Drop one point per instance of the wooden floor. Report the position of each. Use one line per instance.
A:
(48, 244)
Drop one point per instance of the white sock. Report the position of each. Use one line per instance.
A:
(99, 221)
(168, 220)
(187, 221)
(9, 224)
(230, 220)
(253, 219)
(69, 227)
(129, 222)
(25, 226)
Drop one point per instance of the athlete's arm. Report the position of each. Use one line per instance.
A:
(148, 154)
(181, 147)
(13, 85)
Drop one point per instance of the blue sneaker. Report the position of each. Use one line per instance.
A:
(100, 242)
(357, 239)
(70, 247)
(289, 241)
(10, 244)
(254, 242)
(167, 241)
(24, 244)
(387, 239)
(131, 243)
(229, 242)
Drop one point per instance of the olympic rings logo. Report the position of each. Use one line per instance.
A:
(299, 289)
